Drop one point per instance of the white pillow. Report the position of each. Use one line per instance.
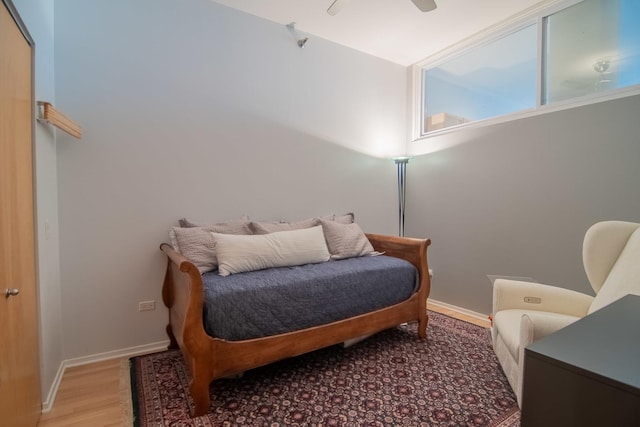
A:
(237, 254)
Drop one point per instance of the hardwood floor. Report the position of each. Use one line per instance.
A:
(90, 395)
(458, 315)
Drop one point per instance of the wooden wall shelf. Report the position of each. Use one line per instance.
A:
(56, 118)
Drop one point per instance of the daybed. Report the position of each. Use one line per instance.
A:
(209, 357)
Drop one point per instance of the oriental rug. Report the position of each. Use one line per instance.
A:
(390, 379)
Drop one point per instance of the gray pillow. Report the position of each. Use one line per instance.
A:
(348, 218)
(197, 245)
(272, 227)
(234, 226)
(346, 240)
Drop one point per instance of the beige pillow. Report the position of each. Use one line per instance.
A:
(346, 240)
(272, 227)
(237, 254)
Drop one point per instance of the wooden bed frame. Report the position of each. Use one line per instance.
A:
(211, 358)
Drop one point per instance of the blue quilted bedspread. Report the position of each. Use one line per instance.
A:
(278, 300)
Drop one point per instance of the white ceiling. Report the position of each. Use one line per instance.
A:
(391, 29)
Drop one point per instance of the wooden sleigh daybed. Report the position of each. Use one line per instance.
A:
(209, 358)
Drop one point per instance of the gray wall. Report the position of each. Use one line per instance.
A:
(190, 108)
(38, 17)
(516, 198)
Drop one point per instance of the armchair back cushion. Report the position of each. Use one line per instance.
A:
(603, 244)
(624, 276)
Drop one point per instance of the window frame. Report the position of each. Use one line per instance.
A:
(533, 16)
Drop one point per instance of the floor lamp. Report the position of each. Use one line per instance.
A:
(401, 164)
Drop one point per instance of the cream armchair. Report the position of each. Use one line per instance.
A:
(524, 312)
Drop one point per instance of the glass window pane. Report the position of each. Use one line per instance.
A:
(590, 47)
(493, 79)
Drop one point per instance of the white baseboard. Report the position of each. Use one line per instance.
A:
(131, 351)
(470, 313)
(47, 405)
(99, 357)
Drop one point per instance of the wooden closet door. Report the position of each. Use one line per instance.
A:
(20, 403)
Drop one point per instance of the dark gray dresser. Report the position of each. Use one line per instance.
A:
(587, 374)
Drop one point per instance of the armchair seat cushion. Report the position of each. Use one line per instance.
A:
(508, 323)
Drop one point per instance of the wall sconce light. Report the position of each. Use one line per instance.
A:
(301, 41)
(401, 165)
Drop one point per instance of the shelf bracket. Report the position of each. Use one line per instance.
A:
(48, 114)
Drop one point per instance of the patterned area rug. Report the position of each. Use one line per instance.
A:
(390, 379)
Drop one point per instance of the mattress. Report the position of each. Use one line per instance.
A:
(277, 300)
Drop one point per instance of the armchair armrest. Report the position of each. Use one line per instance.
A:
(513, 294)
(533, 327)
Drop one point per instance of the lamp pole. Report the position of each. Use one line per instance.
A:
(401, 165)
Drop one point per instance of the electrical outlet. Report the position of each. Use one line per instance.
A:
(146, 305)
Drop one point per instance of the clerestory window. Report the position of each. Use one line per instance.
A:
(583, 52)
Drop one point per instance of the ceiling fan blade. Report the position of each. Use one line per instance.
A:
(425, 5)
(336, 6)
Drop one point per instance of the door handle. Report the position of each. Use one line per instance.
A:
(11, 292)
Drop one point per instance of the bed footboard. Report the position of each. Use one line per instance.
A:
(209, 358)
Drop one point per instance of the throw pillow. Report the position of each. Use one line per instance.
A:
(234, 226)
(272, 227)
(197, 246)
(346, 240)
(348, 218)
(196, 243)
(237, 254)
